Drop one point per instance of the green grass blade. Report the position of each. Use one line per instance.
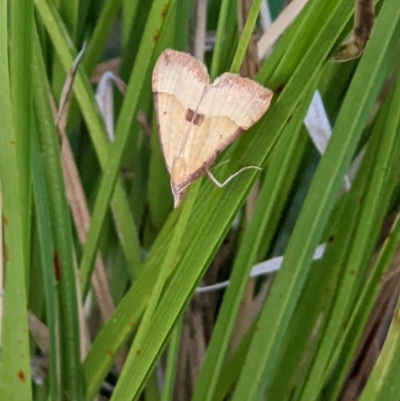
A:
(124, 221)
(382, 181)
(219, 39)
(383, 383)
(264, 213)
(125, 119)
(46, 254)
(246, 36)
(372, 215)
(21, 25)
(70, 10)
(100, 34)
(118, 328)
(72, 383)
(15, 356)
(213, 205)
(171, 366)
(290, 279)
(134, 374)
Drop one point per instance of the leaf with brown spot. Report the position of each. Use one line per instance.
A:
(21, 375)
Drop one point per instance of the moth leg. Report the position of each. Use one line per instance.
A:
(219, 184)
(363, 24)
(220, 164)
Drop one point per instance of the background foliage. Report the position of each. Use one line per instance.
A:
(100, 272)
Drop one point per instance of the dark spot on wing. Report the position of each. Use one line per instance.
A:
(193, 117)
(198, 119)
(189, 113)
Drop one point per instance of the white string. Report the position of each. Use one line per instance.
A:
(263, 268)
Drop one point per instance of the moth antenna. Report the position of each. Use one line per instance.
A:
(221, 185)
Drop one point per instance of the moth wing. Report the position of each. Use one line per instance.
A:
(231, 105)
(178, 83)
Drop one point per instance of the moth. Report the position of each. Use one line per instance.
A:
(198, 120)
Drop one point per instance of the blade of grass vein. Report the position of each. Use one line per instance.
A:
(167, 391)
(46, 248)
(371, 214)
(311, 222)
(125, 119)
(123, 390)
(211, 369)
(63, 46)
